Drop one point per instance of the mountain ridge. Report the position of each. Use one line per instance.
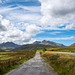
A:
(31, 47)
(44, 42)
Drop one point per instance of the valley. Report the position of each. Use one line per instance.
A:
(44, 53)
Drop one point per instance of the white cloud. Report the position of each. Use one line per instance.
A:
(22, 13)
(0, 1)
(72, 37)
(5, 22)
(1, 17)
(21, 33)
(69, 26)
(32, 29)
(57, 12)
(20, 22)
(7, 9)
(2, 27)
(23, 22)
(30, 8)
(24, 17)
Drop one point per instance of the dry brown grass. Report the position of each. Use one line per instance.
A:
(63, 64)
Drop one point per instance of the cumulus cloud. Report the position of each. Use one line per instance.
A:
(20, 22)
(57, 12)
(23, 22)
(69, 26)
(20, 33)
(2, 27)
(32, 29)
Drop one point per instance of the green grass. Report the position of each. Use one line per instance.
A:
(63, 64)
(11, 60)
(63, 49)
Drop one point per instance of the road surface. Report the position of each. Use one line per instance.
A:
(67, 53)
(35, 66)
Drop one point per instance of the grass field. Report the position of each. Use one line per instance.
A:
(63, 49)
(11, 60)
(63, 64)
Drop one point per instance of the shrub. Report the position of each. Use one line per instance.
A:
(44, 49)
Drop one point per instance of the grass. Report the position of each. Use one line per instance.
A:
(63, 49)
(63, 64)
(11, 60)
(13, 67)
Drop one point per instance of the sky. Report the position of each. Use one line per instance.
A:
(25, 21)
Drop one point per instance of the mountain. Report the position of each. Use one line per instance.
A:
(2, 50)
(36, 42)
(44, 42)
(73, 44)
(32, 47)
(8, 46)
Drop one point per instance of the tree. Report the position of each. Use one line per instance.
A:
(44, 49)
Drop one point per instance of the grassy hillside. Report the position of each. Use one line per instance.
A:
(63, 49)
(32, 47)
(63, 64)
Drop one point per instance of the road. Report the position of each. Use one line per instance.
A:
(67, 53)
(35, 66)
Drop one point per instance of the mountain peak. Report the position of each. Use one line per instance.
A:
(44, 41)
(73, 44)
(37, 42)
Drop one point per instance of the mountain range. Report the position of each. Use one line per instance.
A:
(10, 46)
(31, 47)
(38, 45)
(44, 42)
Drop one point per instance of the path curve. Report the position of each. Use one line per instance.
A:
(35, 66)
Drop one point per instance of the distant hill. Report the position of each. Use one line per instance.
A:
(44, 42)
(8, 45)
(63, 49)
(2, 50)
(73, 44)
(32, 47)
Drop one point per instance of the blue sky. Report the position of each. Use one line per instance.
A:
(25, 21)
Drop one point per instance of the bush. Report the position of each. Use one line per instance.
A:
(44, 49)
